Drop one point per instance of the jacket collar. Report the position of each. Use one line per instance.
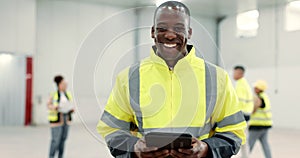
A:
(188, 58)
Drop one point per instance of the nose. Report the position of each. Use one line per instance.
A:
(170, 35)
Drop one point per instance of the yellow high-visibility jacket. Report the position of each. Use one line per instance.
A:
(245, 96)
(263, 115)
(54, 115)
(195, 97)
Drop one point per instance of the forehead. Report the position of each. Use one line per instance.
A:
(238, 70)
(171, 15)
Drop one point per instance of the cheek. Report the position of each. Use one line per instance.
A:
(181, 36)
(159, 37)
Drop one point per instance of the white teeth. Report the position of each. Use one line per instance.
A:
(170, 45)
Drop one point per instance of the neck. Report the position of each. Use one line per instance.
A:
(240, 78)
(172, 63)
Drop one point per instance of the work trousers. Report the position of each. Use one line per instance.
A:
(262, 135)
(58, 137)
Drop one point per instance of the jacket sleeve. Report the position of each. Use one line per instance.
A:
(115, 122)
(240, 92)
(229, 125)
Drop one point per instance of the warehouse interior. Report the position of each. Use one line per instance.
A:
(90, 41)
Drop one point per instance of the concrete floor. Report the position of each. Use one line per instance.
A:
(33, 142)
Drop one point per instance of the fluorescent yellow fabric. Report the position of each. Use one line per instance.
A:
(173, 99)
(227, 105)
(262, 116)
(52, 114)
(245, 96)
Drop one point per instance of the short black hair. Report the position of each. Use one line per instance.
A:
(239, 67)
(175, 5)
(58, 79)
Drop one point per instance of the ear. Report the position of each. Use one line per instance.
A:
(190, 32)
(152, 32)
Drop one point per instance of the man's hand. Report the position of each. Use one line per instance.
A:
(198, 150)
(142, 151)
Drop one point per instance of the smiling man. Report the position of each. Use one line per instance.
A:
(171, 45)
(173, 91)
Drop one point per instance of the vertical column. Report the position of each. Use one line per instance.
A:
(28, 101)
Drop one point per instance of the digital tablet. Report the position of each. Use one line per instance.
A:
(168, 140)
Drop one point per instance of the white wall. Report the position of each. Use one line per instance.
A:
(258, 54)
(17, 37)
(62, 26)
(17, 26)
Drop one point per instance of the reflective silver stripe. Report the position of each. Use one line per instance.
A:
(262, 111)
(120, 140)
(211, 88)
(126, 155)
(231, 120)
(113, 122)
(231, 136)
(261, 119)
(194, 131)
(134, 93)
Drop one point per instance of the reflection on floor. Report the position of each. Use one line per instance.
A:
(33, 142)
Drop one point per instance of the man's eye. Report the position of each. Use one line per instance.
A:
(179, 29)
(161, 29)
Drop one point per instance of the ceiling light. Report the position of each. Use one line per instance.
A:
(159, 2)
(294, 4)
(5, 58)
(248, 20)
(292, 16)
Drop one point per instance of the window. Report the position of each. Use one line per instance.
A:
(247, 24)
(292, 16)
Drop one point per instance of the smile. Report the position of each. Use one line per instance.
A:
(168, 45)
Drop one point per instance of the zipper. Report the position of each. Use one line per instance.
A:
(171, 102)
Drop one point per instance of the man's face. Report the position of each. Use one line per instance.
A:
(170, 33)
(256, 90)
(237, 74)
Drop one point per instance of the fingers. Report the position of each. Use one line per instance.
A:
(157, 154)
(187, 154)
(188, 151)
(148, 149)
(140, 146)
(199, 149)
(149, 152)
(194, 140)
(177, 154)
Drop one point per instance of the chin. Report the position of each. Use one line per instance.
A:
(170, 55)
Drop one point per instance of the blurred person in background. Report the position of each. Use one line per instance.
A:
(261, 119)
(245, 96)
(60, 110)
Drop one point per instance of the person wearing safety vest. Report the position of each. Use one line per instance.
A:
(59, 119)
(244, 93)
(261, 119)
(173, 91)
